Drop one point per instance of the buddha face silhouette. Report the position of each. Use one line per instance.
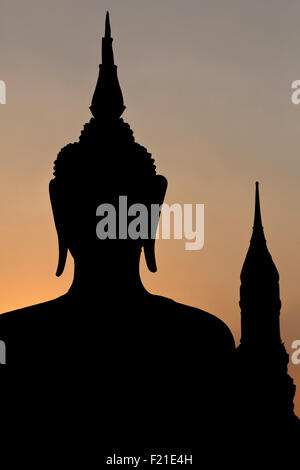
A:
(74, 211)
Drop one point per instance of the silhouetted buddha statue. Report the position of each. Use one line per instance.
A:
(139, 366)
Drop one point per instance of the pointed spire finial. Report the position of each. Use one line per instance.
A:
(257, 213)
(107, 26)
(258, 230)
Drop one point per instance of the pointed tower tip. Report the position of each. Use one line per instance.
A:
(107, 26)
(257, 213)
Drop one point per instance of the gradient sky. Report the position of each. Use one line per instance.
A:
(207, 85)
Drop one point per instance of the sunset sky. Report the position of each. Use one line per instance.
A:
(207, 89)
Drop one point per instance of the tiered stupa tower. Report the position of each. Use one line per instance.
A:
(265, 389)
(259, 293)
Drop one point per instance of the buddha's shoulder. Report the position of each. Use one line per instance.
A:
(192, 319)
(155, 310)
(30, 313)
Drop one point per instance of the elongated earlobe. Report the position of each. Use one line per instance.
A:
(62, 257)
(62, 246)
(160, 189)
(149, 251)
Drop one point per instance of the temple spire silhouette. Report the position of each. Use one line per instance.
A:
(259, 293)
(258, 230)
(107, 102)
(265, 390)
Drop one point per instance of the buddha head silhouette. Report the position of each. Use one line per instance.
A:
(103, 165)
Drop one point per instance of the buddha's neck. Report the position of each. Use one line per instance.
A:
(107, 279)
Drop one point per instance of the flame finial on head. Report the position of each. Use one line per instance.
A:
(107, 26)
(107, 100)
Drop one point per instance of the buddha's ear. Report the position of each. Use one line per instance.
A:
(58, 220)
(159, 190)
